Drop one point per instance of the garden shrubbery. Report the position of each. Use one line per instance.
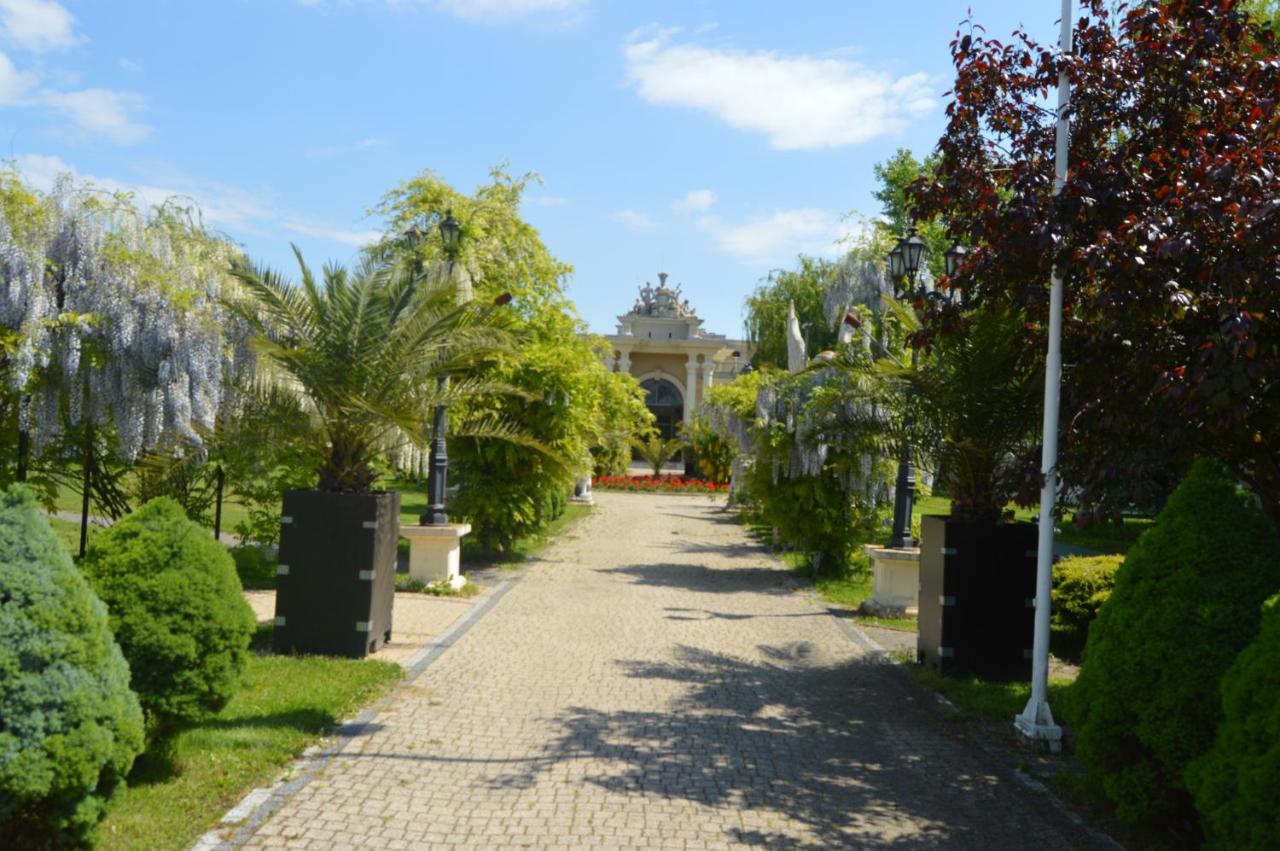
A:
(69, 725)
(1237, 783)
(177, 610)
(1186, 602)
(1081, 584)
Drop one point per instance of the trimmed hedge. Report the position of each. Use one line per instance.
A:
(1237, 784)
(1081, 584)
(69, 725)
(177, 610)
(1186, 602)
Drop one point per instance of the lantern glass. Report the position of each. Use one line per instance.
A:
(450, 231)
(912, 253)
(897, 268)
(413, 235)
(954, 258)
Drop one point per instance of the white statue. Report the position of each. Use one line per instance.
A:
(796, 358)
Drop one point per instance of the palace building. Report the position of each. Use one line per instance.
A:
(661, 342)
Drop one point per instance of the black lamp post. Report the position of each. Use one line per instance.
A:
(904, 267)
(438, 471)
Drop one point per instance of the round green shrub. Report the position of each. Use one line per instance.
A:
(1081, 584)
(176, 608)
(1237, 784)
(1186, 602)
(69, 725)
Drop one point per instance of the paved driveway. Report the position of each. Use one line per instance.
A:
(658, 681)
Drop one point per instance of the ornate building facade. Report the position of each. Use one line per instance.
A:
(661, 342)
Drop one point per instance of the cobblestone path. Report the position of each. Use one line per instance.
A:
(658, 682)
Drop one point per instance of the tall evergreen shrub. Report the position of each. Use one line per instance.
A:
(177, 610)
(69, 725)
(1237, 783)
(1186, 602)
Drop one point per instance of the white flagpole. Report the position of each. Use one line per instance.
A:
(1036, 721)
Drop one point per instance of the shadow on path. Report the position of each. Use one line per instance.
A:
(710, 580)
(846, 750)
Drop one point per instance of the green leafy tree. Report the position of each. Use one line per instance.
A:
(569, 403)
(805, 287)
(713, 450)
(1186, 601)
(71, 727)
(898, 211)
(177, 610)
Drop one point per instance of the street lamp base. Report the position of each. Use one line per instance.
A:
(434, 517)
(1036, 726)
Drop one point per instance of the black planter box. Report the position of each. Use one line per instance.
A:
(337, 575)
(977, 596)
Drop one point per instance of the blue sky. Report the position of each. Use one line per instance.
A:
(712, 140)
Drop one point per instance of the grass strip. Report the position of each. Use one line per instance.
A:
(991, 701)
(285, 704)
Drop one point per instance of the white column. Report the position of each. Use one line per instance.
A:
(624, 360)
(708, 376)
(610, 362)
(691, 387)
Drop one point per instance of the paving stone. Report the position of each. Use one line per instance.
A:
(657, 680)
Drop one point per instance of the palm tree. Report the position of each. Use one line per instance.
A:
(657, 451)
(364, 348)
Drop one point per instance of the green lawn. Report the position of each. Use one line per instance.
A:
(284, 705)
(991, 701)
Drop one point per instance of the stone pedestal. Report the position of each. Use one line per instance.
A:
(582, 490)
(435, 552)
(896, 580)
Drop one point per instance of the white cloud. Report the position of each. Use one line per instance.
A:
(548, 200)
(14, 84)
(695, 201)
(101, 112)
(37, 25)
(133, 66)
(795, 101)
(221, 206)
(344, 236)
(781, 235)
(635, 220)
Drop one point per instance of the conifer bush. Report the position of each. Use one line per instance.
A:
(69, 725)
(177, 610)
(1186, 602)
(1237, 783)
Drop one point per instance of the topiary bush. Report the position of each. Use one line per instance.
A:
(1237, 783)
(177, 610)
(69, 725)
(1081, 584)
(1186, 602)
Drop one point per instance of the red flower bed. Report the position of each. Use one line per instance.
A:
(657, 484)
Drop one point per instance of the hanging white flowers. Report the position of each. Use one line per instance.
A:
(113, 314)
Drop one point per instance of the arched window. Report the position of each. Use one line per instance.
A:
(664, 399)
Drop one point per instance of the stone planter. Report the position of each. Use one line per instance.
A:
(335, 584)
(977, 597)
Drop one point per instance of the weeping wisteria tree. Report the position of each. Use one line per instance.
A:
(113, 334)
(815, 447)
